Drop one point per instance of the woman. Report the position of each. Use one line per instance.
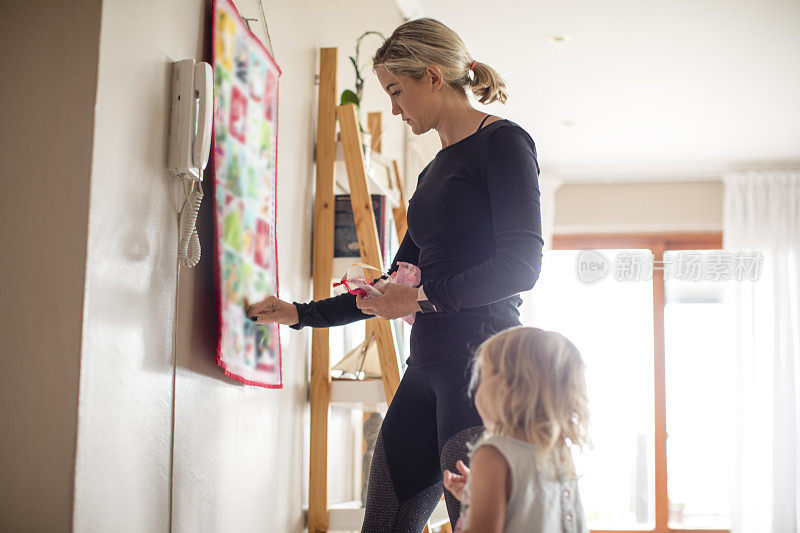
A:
(474, 230)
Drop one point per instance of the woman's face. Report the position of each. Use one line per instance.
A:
(414, 100)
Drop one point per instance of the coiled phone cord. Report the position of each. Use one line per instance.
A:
(189, 245)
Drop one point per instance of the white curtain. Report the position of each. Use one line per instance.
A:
(762, 214)
(548, 186)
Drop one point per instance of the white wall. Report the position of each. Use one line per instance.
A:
(163, 437)
(125, 414)
(678, 206)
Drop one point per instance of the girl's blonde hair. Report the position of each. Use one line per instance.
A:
(542, 393)
(422, 42)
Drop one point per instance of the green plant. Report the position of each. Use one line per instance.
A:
(354, 97)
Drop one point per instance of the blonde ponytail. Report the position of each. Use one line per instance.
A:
(487, 85)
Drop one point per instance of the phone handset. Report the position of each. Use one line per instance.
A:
(190, 143)
(204, 111)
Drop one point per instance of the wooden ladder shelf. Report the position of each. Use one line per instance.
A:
(324, 391)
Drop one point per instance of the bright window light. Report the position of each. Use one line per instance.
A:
(611, 323)
(698, 377)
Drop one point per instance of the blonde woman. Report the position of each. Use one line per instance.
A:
(474, 230)
(532, 399)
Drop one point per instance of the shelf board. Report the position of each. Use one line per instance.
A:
(345, 516)
(368, 393)
(350, 516)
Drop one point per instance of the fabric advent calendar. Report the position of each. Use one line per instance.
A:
(245, 179)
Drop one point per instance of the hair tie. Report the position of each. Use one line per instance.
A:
(472, 66)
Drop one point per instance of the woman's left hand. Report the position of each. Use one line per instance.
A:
(394, 302)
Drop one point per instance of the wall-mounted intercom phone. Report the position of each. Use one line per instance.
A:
(192, 108)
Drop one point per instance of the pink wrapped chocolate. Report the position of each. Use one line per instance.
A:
(355, 281)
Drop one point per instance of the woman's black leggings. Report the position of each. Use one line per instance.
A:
(426, 429)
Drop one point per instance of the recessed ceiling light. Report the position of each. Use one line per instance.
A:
(568, 123)
(558, 38)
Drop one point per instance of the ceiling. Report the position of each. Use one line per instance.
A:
(643, 89)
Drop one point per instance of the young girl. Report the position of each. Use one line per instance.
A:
(532, 400)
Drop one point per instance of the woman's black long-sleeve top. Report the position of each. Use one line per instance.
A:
(474, 230)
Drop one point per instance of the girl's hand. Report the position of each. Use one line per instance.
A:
(272, 310)
(394, 302)
(455, 483)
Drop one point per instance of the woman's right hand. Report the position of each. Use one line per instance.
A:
(273, 310)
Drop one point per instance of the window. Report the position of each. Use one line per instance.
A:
(654, 352)
(697, 376)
